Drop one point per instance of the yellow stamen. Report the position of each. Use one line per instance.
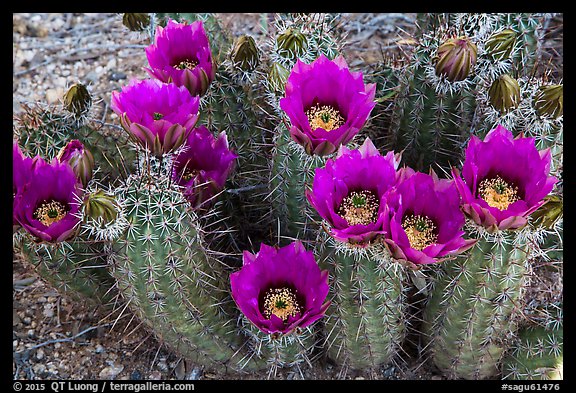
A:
(186, 64)
(497, 193)
(280, 302)
(420, 231)
(359, 208)
(325, 117)
(189, 173)
(50, 212)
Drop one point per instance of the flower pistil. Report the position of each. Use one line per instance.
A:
(281, 302)
(359, 207)
(49, 212)
(325, 117)
(186, 64)
(498, 193)
(420, 231)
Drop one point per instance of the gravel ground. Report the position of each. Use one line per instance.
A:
(53, 336)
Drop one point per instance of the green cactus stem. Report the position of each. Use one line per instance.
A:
(472, 313)
(429, 117)
(293, 352)
(365, 323)
(44, 130)
(291, 171)
(77, 268)
(171, 281)
(539, 352)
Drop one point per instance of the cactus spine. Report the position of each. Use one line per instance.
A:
(431, 115)
(168, 277)
(538, 352)
(473, 309)
(365, 324)
(77, 267)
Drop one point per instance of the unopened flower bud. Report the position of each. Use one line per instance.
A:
(278, 76)
(550, 212)
(244, 53)
(101, 206)
(77, 99)
(549, 101)
(500, 45)
(456, 58)
(136, 21)
(504, 94)
(79, 158)
(291, 43)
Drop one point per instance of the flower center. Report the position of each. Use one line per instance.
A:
(188, 172)
(186, 64)
(359, 207)
(158, 115)
(50, 212)
(497, 193)
(280, 302)
(420, 231)
(325, 117)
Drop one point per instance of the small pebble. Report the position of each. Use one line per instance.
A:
(117, 76)
(111, 371)
(194, 374)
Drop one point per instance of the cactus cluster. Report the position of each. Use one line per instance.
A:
(288, 212)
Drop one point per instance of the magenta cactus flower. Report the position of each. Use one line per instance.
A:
(181, 55)
(348, 192)
(423, 221)
(327, 104)
(280, 289)
(21, 168)
(505, 179)
(157, 115)
(203, 166)
(47, 205)
(80, 160)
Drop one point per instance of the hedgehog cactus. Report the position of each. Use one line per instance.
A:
(167, 275)
(476, 299)
(45, 130)
(470, 317)
(538, 350)
(434, 102)
(49, 212)
(365, 324)
(242, 142)
(366, 321)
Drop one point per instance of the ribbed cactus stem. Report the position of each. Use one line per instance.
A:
(45, 130)
(538, 353)
(473, 308)
(430, 118)
(292, 352)
(231, 106)
(429, 126)
(77, 267)
(365, 323)
(291, 171)
(169, 278)
(529, 29)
